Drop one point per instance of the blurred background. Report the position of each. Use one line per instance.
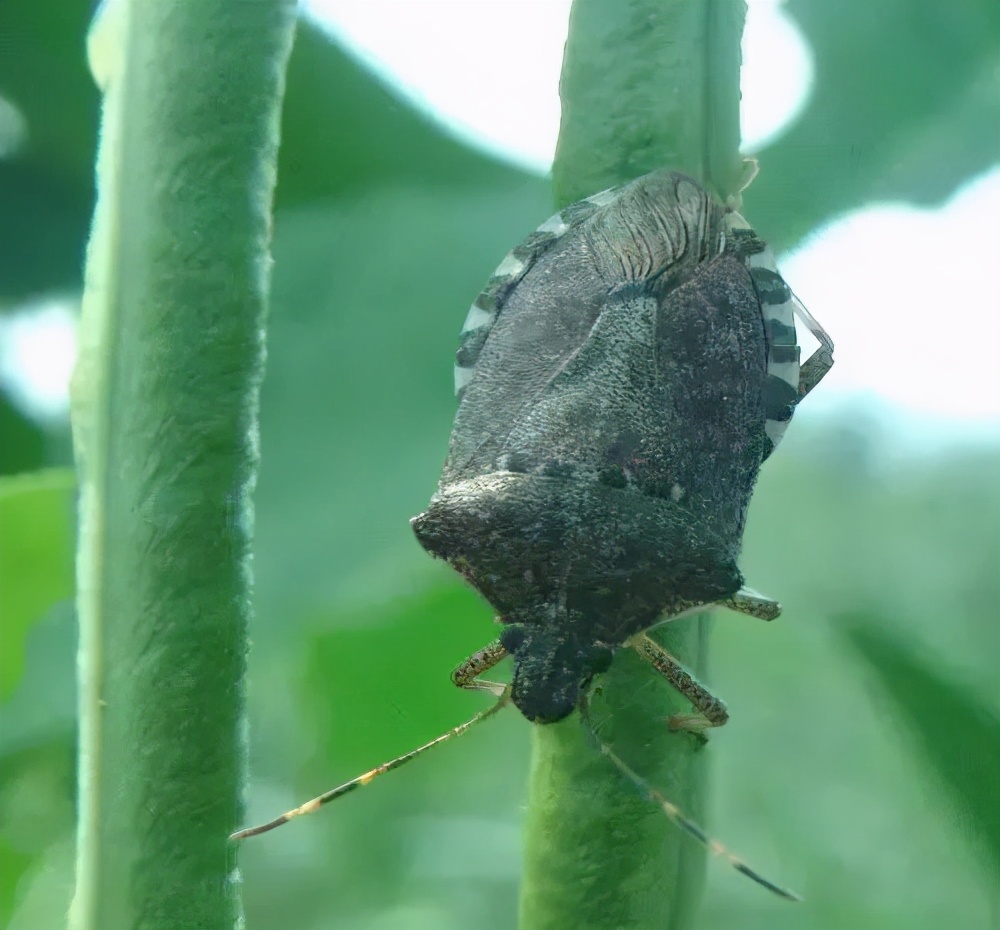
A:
(862, 763)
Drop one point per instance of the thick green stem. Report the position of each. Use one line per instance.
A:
(645, 84)
(650, 84)
(165, 400)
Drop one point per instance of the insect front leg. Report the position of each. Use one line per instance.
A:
(711, 710)
(753, 604)
(467, 674)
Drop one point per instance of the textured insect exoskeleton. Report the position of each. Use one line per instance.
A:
(622, 376)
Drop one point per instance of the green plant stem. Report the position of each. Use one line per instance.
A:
(164, 409)
(645, 84)
(649, 84)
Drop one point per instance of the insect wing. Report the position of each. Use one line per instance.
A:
(542, 305)
(517, 263)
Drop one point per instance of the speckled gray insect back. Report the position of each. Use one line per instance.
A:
(622, 376)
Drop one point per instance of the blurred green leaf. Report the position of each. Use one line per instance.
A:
(13, 865)
(904, 107)
(44, 702)
(38, 768)
(46, 187)
(370, 684)
(957, 736)
(347, 685)
(934, 123)
(37, 794)
(343, 131)
(36, 559)
(23, 445)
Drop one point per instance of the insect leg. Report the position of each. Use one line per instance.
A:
(711, 710)
(674, 813)
(820, 362)
(462, 676)
(750, 602)
(467, 674)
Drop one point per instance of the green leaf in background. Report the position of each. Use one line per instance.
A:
(957, 736)
(366, 685)
(23, 445)
(385, 230)
(37, 808)
(38, 778)
(904, 107)
(426, 635)
(47, 187)
(36, 559)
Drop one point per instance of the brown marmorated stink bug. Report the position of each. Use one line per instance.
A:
(622, 376)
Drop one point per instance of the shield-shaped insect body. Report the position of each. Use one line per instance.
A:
(622, 377)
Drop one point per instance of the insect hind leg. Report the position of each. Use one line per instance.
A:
(466, 675)
(753, 604)
(814, 369)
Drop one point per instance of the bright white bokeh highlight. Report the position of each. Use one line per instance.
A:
(912, 299)
(776, 77)
(13, 129)
(488, 70)
(37, 354)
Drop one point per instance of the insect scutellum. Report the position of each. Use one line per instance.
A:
(622, 376)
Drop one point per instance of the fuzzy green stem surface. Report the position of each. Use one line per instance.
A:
(646, 84)
(164, 411)
(650, 84)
